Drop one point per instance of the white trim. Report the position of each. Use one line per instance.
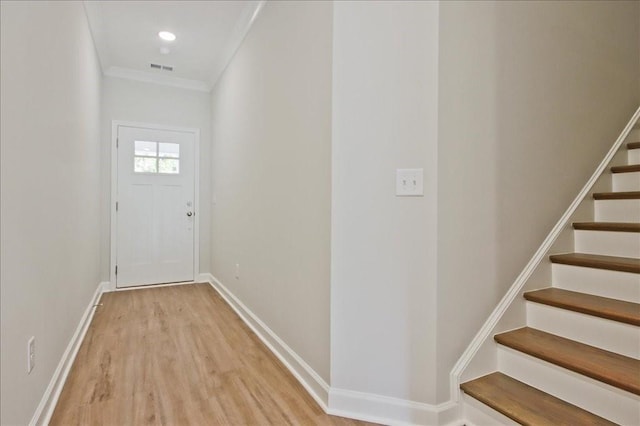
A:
(486, 330)
(308, 378)
(196, 206)
(114, 191)
(50, 397)
(243, 25)
(153, 78)
(390, 411)
(113, 258)
(96, 28)
(339, 402)
(108, 286)
(204, 278)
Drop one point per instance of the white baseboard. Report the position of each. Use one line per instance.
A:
(308, 378)
(390, 411)
(49, 400)
(108, 286)
(339, 402)
(204, 278)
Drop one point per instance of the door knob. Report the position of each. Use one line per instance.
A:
(189, 214)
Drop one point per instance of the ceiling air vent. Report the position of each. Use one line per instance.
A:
(161, 67)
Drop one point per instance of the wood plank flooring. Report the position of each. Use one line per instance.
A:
(179, 355)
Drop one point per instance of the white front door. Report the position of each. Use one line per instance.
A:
(155, 210)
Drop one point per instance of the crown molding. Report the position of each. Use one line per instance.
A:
(240, 31)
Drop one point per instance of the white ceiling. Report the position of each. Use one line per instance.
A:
(208, 34)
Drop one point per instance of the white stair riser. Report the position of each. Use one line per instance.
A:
(601, 282)
(617, 210)
(475, 413)
(625, 244)
(633, 156)
(599, 398)
(626, 182)
(603, 333)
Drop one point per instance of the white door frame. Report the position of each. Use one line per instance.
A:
(114, 191)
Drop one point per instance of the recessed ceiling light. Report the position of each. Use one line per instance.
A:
(167, 36)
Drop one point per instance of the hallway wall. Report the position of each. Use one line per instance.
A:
(130, 100)
(271, 165)
(383, 248)
(50, 190)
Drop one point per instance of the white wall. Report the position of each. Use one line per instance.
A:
(50, 210)
(383, 248)
(531, 97)
(129, 100)
(271, 165)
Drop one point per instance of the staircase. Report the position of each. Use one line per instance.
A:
(577, 362)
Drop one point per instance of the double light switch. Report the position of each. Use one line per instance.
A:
(409, 182)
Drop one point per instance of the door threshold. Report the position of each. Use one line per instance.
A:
(143, 286)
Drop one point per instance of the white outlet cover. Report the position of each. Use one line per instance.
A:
(409, 182)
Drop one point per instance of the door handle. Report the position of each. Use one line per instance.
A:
(189, 214)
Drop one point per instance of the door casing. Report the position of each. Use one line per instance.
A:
(114, 192)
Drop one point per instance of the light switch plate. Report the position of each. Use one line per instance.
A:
(409, 182)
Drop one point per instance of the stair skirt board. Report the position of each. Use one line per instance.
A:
(594, 396)
(600, 282)
(610, 335)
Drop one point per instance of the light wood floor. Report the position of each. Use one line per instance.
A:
(179, 356)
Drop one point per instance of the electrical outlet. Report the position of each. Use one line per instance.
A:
(237, 271)
(31, 354)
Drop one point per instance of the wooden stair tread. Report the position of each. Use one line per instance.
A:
(608, 367)
(613, 263)
(525, 404)
(624, 195)
(607, 226)
(603, 307)
(626, 169)
(633, 145)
